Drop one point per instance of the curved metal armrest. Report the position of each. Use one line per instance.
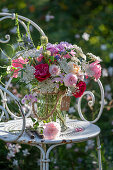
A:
(21, 111)
(91, 103)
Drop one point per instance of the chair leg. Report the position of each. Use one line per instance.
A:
(99, 153)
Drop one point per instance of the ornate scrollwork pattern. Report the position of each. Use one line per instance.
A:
(4, 100)
(91, 103)
(21, 19)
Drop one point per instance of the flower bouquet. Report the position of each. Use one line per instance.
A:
(54, 72)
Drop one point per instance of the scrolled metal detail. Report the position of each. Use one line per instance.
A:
(21, 111)
(92, 102)
(7, 37)
(21, 19)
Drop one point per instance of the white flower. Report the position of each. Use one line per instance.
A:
(107, 88)
(110, 71)
(103, 47)
(15, 162)
(8, 69)
(90, 145)
(111, 56)
(77, 36)
(94, 162)
(85, 36)
(104, 72)
(48, 17)
(17, 148)
(25, 152)
(69, 145)
(46, 86)
(74, 68)
(94, 57)
(5, 10)
(79, 51)
(28, 74)
(64, 65)
(11, 154)
(30, 53)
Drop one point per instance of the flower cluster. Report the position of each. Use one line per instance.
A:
(54, 67)
(29, 98)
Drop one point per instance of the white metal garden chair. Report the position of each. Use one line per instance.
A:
(14, 130)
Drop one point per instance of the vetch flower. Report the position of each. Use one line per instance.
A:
(48, 17)
(51, 130)
(54, 70)
(25, 152)
(15, 162)
(70, 80)
(42, 72)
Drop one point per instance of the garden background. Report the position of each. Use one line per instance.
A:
(89, 24)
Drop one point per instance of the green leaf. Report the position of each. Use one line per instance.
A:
(36, 124)
(21, 73)
(52, 58)
(33, 119)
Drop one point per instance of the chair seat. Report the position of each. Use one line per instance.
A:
(9, 130)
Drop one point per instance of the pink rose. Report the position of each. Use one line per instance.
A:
(42, 72)
(15, 72)
(18, 64)
(94, 70)
(54, 70)
(51, 130)
(70, 80)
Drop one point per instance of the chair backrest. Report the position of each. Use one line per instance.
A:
(22, 21)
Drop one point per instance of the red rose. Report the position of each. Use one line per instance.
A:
(42, 72)
(81, 88)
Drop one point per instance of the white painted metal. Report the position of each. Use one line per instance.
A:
(91, 103)
(68, 136)
(21, 19)
(99, 152)
(19, 124)
(17, 136)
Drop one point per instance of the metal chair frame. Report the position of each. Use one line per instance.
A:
(41, 144)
